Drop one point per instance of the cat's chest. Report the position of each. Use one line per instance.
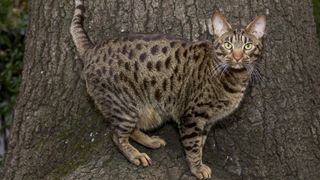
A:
(225, 107)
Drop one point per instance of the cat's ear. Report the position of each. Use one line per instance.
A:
(257, 27)
(219, 24)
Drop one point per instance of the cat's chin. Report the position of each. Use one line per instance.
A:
(237, 66)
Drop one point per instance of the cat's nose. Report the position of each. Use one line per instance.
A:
(237, 54)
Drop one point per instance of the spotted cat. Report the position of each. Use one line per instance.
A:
(140, 81)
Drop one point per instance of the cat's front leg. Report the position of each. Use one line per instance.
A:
(193, 133)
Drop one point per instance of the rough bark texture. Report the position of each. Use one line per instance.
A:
(58, 133)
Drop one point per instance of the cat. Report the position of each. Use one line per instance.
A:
(140, 81)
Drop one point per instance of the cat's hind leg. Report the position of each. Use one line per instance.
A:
(153, 142)
(120, 137)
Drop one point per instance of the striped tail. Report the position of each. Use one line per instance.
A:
(79, 36)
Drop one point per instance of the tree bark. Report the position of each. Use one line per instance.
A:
(275, 134)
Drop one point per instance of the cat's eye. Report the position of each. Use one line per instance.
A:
(248, 46)
(227, 45)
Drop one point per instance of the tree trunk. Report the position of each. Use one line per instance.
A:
(275, 134)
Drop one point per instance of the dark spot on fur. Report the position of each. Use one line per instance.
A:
(104, 58)
(139, 46)
(127, 66)
(120, 62)
(153, 82)
(145, 83)
(191, 125)
(130, 54)
(158, 65)
(219, 53)
(188, 148)
(81, 7)
(202, 114)
(171, 82)
(164, 50)
(176, 55)
(176, 70)
(168, 62)
(97, 59)
(143, 57)
(164, 85)
(185, 54)
(157, 95)
(154, 49)
(195, 150)
(103, 85)
(196, 57)
(136, 66)
(135, 75)
(189, 136)
(149, 65)
(198, 129)
(172, 44)
(122, 76)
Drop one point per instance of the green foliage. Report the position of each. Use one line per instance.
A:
(12, 29)
(316, 12)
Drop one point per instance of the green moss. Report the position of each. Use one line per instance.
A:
(316, 13)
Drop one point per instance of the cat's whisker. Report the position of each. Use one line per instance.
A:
(225, 69)
(254, 73)
(258, 74)
(218, 69)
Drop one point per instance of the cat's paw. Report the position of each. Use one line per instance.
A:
(156, 142)
(141, 159)
(201, 172)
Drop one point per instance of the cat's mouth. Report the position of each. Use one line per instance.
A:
(237, 66)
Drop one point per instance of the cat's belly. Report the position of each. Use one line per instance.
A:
(149, 118)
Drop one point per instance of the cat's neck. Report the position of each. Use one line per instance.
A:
(234, 80)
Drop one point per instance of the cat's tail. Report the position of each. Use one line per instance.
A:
(79, 35)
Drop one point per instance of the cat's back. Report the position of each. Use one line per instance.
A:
(152, 68)
(140, 57)
(141, 47)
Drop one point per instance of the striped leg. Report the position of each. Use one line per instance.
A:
(121, 136)
(193, 136)
(153, 142)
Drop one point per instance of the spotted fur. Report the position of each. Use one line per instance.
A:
(140, 81)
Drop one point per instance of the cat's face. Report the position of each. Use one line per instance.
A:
(237, 49)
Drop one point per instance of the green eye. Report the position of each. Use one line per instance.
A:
(227, 45)
(248, 46)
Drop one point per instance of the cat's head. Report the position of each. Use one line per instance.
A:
(237, 48)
